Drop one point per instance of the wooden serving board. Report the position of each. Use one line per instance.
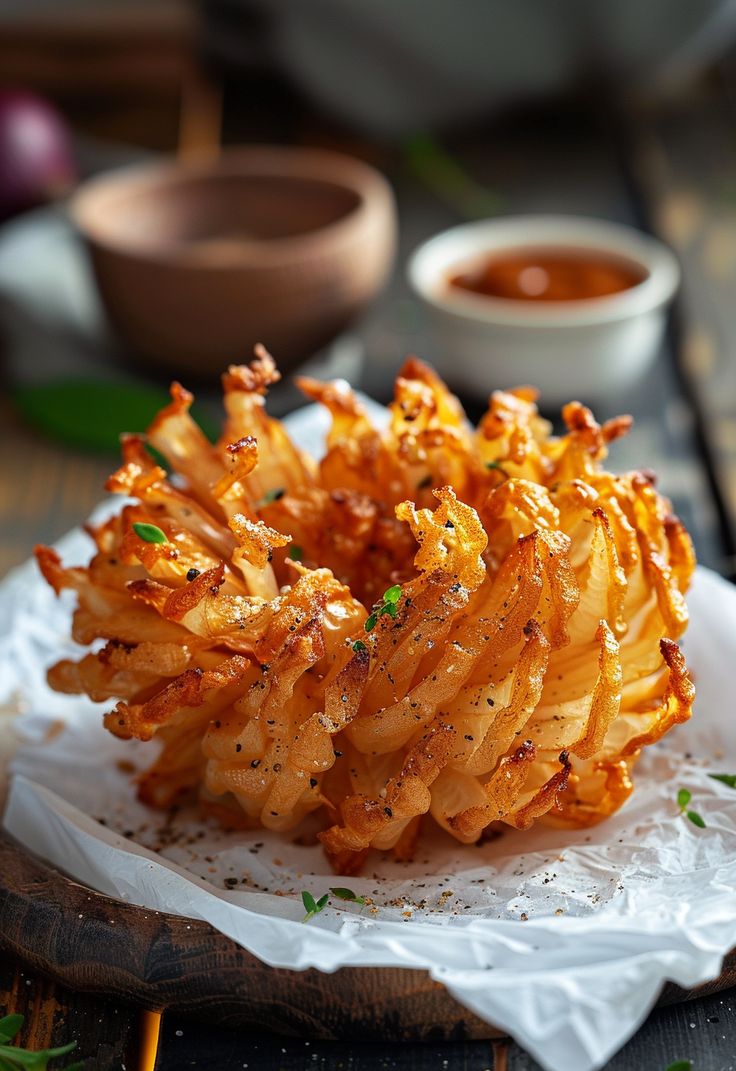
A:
(91, 942)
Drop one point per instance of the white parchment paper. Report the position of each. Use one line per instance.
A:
(563, 939)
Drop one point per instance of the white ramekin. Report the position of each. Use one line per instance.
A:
(568, 349)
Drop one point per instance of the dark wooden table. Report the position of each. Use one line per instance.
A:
(110, 1038)
(673, 171)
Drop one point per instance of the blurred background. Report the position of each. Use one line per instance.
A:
(489, 109)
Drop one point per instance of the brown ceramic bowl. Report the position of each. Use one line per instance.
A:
(197, 263)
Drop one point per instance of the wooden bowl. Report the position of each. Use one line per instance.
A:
(197, 263)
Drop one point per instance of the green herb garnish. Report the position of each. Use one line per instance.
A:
(725, 778)
(312, 906)
(359, 646)
(149, 533)
(349, 895)
(497, 465)
(9, 1027)
(683, 798)
(271, 496)
(680, 1065)
(388, 605)
(91, 414)
(12, 1057)
(443, 174)
(295, 553)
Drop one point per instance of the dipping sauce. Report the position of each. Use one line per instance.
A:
(558, 274)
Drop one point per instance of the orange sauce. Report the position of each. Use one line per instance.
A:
(549, 275)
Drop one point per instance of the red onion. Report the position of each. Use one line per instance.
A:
(36, 157)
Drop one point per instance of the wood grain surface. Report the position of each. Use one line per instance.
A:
(93, 943)
(106, 1037)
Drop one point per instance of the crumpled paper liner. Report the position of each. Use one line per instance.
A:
(562, 938)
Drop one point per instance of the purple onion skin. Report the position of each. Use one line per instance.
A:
(36, 157)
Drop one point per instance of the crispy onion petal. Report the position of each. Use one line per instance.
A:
(384, 819)
(478, 626)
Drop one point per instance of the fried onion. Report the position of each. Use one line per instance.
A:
(478, 625)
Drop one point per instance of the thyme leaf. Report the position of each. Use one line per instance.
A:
(725, 778)
(149, 533)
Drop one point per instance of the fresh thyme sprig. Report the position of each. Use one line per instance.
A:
(149, 533)
(680, 1065)
(388, 605)
(349, 895)
(313, 907)
(498, 466)
(271, 496)
(683, 798)
(725, 778)
(13, 1058)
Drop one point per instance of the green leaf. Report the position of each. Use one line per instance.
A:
(347, 894)
(271, 496)
(92, 414)
(392, 594)
(725, 778)
(370, 622)
(9, 1026)
(440, 172)
(680, 1065)
(497, 465)
(683, 798)
(295, 553)
(149, 533)
(62, 1050)
(87, 413)
(33, 1061)
(313, 907)
(359, 646)
(696, 819)
(343, 894)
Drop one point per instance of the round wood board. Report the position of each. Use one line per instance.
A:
(92, 942)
